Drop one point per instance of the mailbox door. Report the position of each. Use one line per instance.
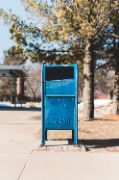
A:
(59, 113)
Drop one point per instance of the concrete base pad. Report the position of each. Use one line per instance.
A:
(55, 145)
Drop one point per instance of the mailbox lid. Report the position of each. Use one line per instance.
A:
(60, 80)
(59, 72)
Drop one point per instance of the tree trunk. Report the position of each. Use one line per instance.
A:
(115, 107)
(88, 91)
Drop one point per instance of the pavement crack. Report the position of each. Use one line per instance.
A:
(25, 165)
(23, 169)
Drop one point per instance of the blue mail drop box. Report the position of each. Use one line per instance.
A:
(59, 99)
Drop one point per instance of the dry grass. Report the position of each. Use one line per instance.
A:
(110, 118)
(101, 134)
(97, 135)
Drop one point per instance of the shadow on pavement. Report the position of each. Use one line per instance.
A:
(100, 143)
(19, 109)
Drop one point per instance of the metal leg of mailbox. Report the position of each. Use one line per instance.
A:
(75, 137)
(72, 135)
(43, 137)
(76, 130)
(43, 131)
(46, 135)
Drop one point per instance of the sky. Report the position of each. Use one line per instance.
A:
(17, 8)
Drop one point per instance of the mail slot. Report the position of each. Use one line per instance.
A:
(60, 99)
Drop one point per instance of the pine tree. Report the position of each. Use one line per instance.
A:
(115, 36)
(79, 21)
(78, 24)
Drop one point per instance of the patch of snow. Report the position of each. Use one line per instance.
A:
(102, 102)
(6, 104)
(97, 103)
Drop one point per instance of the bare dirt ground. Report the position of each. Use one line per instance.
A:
(100, 134)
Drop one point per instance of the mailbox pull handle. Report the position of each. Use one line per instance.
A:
(60, 96)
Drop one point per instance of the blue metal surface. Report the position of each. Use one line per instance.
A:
(63, 87)
(60, 99)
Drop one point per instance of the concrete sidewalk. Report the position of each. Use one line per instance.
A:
(69, 166)
(19, 160)
(59, 166)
